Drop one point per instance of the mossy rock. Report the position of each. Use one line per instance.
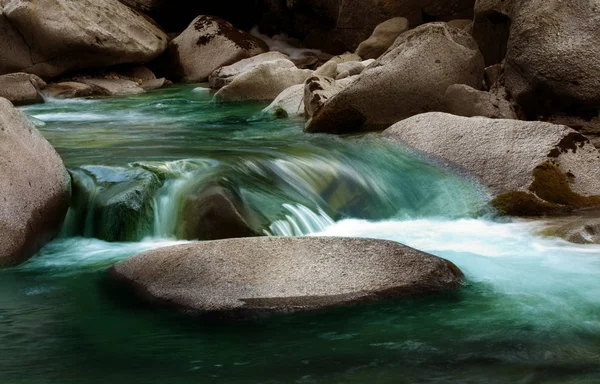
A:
(550, 194)
(114, 204)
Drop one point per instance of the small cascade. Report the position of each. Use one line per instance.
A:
(295, 194)
(300, 221)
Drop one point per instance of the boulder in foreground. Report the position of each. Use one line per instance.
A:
(35, 188)
(531, 168)
(282, 274)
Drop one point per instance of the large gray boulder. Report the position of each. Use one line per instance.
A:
(207, 44)
(530, 168)
(264, 82)
(35, 188)
(51, 37)
(22, 88)
(382, 38)
(224, 75)
(552, 54)
(276, 274)
(411, 78)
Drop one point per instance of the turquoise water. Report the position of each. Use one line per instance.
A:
(529, 312)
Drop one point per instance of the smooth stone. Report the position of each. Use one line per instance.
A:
(138, 73)
(50, 38)
(462, 100)
(382, 38)
(208, 44)
(352, 68)
(463, 24)
(22, 88)
(224, 75)
(149, 85)
(264, 82)
(530, 168)
(35, 188)
(283, 274)
(411, 78)
(288, 103)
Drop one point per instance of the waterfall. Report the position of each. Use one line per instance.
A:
(300, 221)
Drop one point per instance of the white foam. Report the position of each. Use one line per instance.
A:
(511, 257)
(282, 43)
(73, 255)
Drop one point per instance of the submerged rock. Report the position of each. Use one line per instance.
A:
(22, 88)
(35, 188)
(116, 204)
(224, 75)
(51, 37)
(531, 168)
(207, 44)
(580, 229)
(264, 82)
(276, 274)
(215, 212)
(411, 78)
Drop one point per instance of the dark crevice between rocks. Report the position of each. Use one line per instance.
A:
(332, 120)
(491, 31)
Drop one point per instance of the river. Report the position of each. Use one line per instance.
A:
(529, 311)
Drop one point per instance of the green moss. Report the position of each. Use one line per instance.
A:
(551, 194)
(525, 204)
(552, 184)
(280, 113)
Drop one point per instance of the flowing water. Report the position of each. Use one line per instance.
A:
(528, 313)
